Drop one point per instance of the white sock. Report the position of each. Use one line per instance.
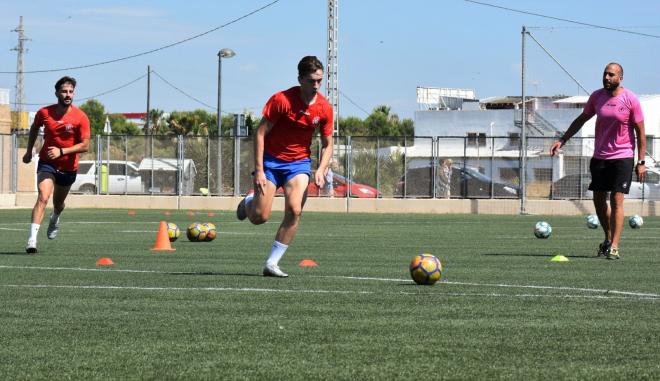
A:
(34, 230)
(276, 252)
(248, 198)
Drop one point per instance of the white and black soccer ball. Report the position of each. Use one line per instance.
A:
(592, 221)
(542, 229)
(636, 221)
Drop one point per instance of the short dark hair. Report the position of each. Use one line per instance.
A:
(63, 80)
(617, 64)
(308, 65)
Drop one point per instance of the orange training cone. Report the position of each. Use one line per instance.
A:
(131, 212)
(162, 239)
(105, 261)
(190, 214)
(308, 263)
(167, 213)
(210, 214)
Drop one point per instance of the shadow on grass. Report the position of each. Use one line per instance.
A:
(211, 273)
(14, 253)
(540, 255)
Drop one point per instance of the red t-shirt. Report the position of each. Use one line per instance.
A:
(62, 131)
(294, 123)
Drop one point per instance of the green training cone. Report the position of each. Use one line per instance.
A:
(559, 258)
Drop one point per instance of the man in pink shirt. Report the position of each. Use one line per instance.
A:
(282, 156)
(619, 119)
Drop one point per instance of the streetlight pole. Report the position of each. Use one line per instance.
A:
(223, 53)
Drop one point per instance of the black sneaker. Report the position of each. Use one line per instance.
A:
(241, 212)
(604, 248)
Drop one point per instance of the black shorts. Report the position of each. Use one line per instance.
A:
(611, 175)
(62, 178)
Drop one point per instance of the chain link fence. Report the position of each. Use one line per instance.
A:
(364, 167)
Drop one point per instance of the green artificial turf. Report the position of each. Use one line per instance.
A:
(502, 309)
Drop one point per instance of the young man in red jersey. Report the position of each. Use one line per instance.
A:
(282, 156)
(66, 134)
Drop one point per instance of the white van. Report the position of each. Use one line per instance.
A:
(123, 177)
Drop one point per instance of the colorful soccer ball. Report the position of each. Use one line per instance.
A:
(196, 232)
(211, 232)
(635, 221)
(542, 229)
(592, 221)
(173, 231)
(425, 269)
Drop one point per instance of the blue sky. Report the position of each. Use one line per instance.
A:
(386, 49)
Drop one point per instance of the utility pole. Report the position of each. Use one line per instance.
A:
(523, 134)
(332, 82)
(146, 120)
(20, 91)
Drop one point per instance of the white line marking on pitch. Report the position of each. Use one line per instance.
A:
(563, 288)
(307, 291)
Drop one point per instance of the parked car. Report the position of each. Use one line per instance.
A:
(123, 177)
(341, 189)
(465, 182)
(576, 186)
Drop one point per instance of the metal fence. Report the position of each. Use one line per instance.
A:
(398, 167)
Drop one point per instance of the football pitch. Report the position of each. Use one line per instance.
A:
(502, 309)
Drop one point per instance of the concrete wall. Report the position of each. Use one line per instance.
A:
(339, 205)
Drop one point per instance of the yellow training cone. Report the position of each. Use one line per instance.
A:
(559, 258)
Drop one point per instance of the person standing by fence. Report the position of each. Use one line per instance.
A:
(619, 119)
(66, 134)
(282, 156)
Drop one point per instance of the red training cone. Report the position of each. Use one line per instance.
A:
(105, 261)
(308, 263)
(162, 239)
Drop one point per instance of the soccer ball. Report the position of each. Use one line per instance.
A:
(211, 231)
(173, 231)
(542, 229)
(592, 221)
(425, 269)
(635, 221)
(196, 232)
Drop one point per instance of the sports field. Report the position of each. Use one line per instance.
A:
(502, 310)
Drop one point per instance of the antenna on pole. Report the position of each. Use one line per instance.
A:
(332, 82)
(20, 90)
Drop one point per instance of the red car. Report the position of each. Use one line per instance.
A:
(340, 186)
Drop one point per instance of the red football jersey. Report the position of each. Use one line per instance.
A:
(294, 123)
(62, 131)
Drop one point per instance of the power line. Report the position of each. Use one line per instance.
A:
(353, 103)
(93, 96)
(184, 93)
(149, 51)
(562, 19)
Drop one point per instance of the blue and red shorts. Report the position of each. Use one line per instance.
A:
(279, 172)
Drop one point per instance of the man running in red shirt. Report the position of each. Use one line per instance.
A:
(66, 134)
(282, 156)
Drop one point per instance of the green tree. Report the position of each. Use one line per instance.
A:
(381, 122)
(121, 126)
(96, 114)
(157, 122)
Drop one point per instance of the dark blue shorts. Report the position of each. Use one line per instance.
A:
(62, 178)
(279, 172)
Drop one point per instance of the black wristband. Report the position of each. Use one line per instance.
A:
(61, 152)
(641, 162)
